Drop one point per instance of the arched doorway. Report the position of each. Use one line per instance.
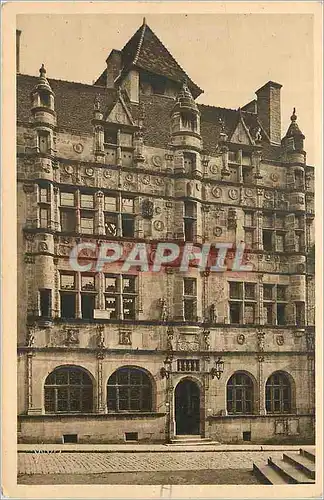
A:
(187, 408)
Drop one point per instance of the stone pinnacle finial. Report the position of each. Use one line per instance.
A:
(42, 71)
(144, 21)
(96, 104)
(293, 116)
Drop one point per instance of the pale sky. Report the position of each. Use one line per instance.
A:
(229, 56)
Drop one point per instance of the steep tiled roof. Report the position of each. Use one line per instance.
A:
(74, 108)
(144, 50)
(73, 101)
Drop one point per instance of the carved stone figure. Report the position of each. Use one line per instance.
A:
(164, 311)
(30, 338)
(72, 336)
(207, 339)
(170, 339)
(125, 337)
(147, 209)
(212, 314)
(261, 340)
(101, 340)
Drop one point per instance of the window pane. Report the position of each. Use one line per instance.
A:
(68, 281)
(44, 217)
(50, 400)
(249, 290)
(68, 302)
(267, 221)
(67, 199)
(62, 399)
(189, 286)
(127, 205)
(190, 209)
(128, 226)
(87, 305)
(86, 402)
(87, 283)
(111, 306)
(111, 224)
(129, 308)
(43, 195)
(267, 240)
(280, 242)
(190, 309)
(248, 219)
(129, 284)
(236, 290)
(75, 399)
(281, 292)
(87, 225)
(68, 221)
(280, 222)
(133, 390)
(235, 313)
(248, 238)
(249, 313)
(87, 201)
(267, 292)
(110, 284)
(75, 377)
(110, 203)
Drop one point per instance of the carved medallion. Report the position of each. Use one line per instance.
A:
(146, 179)
(213, 169)
(158, 225)
(240, 338)
(89, 172)
(42, 247)
(274, 177)
(280, 340)
(107, 174)
(157, 160)
(68, 169)
(159, 181)
(78, 147)
(129, 178)
(248, 192)
(268, 195)
(233, 194)
(217, 231)
(216, 192)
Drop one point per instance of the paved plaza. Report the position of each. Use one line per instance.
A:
(57, 462)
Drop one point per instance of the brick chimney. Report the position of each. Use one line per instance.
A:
(18, 33)
(268, 110)
(114, 64)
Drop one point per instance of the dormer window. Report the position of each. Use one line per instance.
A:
(110, 136)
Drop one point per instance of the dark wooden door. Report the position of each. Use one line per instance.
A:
(187, 408)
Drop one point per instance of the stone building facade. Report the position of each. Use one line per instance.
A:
(113, 355)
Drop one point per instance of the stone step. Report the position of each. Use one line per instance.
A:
(267, 475)
(301, 462)
(191, 440)
(309, 453)
(289, 472)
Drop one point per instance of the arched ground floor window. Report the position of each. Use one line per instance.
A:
(240, 394)
(129, 389)
(68, 389)
(278, 393)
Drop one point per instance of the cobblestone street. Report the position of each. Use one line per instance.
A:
(99, 463)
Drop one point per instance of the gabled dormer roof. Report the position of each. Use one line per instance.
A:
(145, 51)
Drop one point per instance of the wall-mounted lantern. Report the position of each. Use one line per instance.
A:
(218, 369)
